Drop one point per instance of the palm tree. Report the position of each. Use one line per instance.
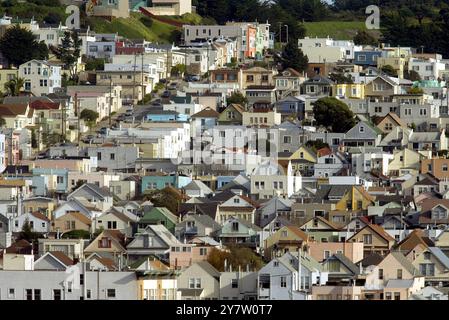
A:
(14, 86)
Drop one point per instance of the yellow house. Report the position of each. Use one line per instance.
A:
(356, 198)
(287, 238)
(349, 90)
(6, 75)
(302, 160)
(405, 161)
(398, 64)
(46, 206)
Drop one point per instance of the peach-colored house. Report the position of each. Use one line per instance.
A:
(402, 289)
(323, 250)
(82, 165)
(337, 292)
(184, 255)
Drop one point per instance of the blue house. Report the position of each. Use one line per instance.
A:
(159, 115)
(291, 106)
(366, 57)
(158, 182)
(43, 178)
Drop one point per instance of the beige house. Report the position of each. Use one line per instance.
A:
(268, 119)
(200, 281)
(108, 8)
(389, 122)
(286, 239)
(433, 264)
(374, 238)
(256, 76)
(170, 7)
(109, 241)
(72, 221)
(382, 88)
(135, 84)
(337, 292)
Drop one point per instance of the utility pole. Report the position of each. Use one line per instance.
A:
(63, 121)
(134, 77)
(286, 25)
(110, 100)
(78, 116)
(167, 70)
(141, 75)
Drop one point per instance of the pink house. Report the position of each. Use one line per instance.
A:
(184, 255)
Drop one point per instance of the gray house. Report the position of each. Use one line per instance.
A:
(195, 225)
(155, 239)
(363, 134)
(280, 279)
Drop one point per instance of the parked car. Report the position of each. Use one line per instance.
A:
(103, 130)
(166, 94)
(129, 112)
(88, 139)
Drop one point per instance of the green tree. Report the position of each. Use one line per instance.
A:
(364, 38)
(235, 257)
(333, 114)
(412, 75)
(89, 116)
(19, 45)
(293, 57)
(14, 86)
(415, 90)
(389, 71)
(237, 98)
(2, 122)
(340, 77)
(167, 197)
(69, 52)
(178, 70)
(27, 232)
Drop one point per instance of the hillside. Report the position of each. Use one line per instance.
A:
(135, 27)
(341, 30)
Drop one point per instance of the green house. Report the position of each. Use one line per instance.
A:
(158, 215)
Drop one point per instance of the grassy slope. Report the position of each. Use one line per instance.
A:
(341, 30)
(134, 28)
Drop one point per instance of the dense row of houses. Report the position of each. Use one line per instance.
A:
(355, 215)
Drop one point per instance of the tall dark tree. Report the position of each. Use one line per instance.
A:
(69, 52)
(333, 114)
(19, 45)
(364, 38)
(293, 57)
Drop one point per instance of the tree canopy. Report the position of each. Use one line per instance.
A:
(237, 98)
(364, 38)
(167, 197)
(19, 45)
(69, 51)
(235, 257)
(333, 114)
(293, 57)
(89, 115)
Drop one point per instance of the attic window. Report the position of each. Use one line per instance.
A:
(236, 200)
(362, 129)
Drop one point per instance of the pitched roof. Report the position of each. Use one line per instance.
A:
(415, 238)
(372, 259)
(396, 118)
(40, 216)
(198, 185)
(78, 215)
(347, 263)
(20, 247)
(406, 263)
(206, 113)
(206, 266)
(380, 231)
(439, 254)
(164, 211)
(12, 110)
(298, 232)
(61, 256)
